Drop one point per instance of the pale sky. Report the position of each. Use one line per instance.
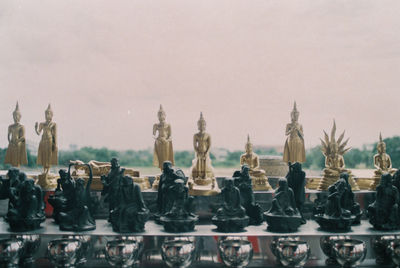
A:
(106, 66)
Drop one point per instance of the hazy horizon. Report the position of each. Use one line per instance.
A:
(106, 66)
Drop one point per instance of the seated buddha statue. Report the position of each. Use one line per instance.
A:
(382, 163)
(333, 151)
(231, 216)
(250, 158)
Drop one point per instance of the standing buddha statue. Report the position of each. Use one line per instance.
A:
(48, 150)
(250, 158)
(333, 151)
(163, 150)
(382, 163)
(294, 146)
(202, 180)
(16, 151)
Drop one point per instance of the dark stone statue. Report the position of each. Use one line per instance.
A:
(111, 184)
(79, 216)
(296, 179)
(63, 198)
(333, 216)
(231, 217)
(167, 179)
(244, 183)
(283, 215)
(396, 179)
(26, 209)
(130, 213)
(179, 211)
(9, 185)
(384, 213)
(347, 200)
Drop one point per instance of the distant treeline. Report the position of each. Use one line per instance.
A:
(355, 158)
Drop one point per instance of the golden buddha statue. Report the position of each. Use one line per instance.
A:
(48, 150)
(163, 150)
(202, 180)
(382, 163)
(16, 151)
(334, 162)
(294, 146)
(260, 180)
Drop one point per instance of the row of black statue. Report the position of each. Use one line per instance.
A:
(74, 205)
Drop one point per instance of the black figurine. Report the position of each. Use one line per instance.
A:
(79, 217)
(244, 183)
(347, 200)
(63, 198)
(8, 187)
(26, 210)
(332, 216)
(111, 184)
(231, 217)
(283, 215)
(396, 179)
(131, 213)
(167, 179)
(296, 179)
(384, 213)
(179, 216)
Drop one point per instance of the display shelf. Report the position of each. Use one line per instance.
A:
(103, 228)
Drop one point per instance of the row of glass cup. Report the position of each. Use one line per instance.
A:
(180, 251)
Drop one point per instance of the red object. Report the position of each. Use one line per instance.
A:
(48, 209)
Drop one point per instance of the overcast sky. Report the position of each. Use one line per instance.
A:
(106, 66)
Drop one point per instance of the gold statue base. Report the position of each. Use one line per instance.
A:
(261, 183)
(313, 182)
(328, 180)
(376, 180)
(156, 182)
(204, 189)
(47, 181)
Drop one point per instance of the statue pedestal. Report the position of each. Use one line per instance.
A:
(282, 223)
(47, 181)
(328, 223)
(203, 190)
(179, 225)
(229, 225)
(143, 183)
(156, 182)
(328, 180)
(260, 183)
(375, 182)
(273, 166)
(376, 179)
(21, 224)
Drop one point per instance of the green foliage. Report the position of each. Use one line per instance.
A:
(183, 158)
(315, 160)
